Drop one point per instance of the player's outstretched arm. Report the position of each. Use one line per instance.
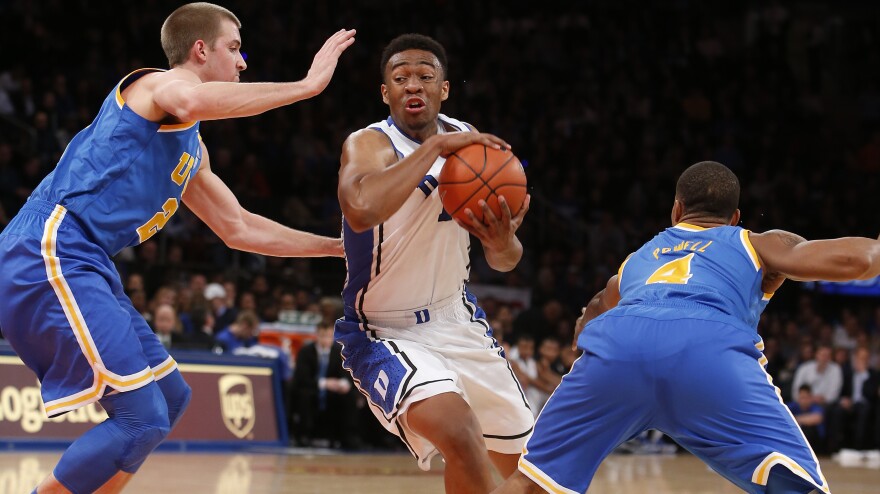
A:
(605, 300)
(212, 201)
(180, 93)
(840, 259)
(373, 184)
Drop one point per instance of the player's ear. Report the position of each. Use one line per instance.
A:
(200, 49)
(677, 211)
(384, 90)
(734, 220)
(444, 91)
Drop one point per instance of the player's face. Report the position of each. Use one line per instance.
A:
(413, 90)
(225, 61)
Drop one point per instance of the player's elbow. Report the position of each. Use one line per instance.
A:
(359, 216)
(360, 223)
(861, 267)
(235, 236)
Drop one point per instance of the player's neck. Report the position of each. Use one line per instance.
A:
(420, 134)
(701, 221)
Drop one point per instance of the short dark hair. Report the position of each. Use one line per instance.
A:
(414, 41)
(188, 24)
(710, 188)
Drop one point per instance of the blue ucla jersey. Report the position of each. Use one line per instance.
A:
(714, 267)
(122, 176)
(683, 339)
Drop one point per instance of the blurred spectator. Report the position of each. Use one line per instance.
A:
(522, 361)
(323, 393)
(822, 375)
(850, 418)
(243, 332)
(166, 326)
(810, 416)
(550, 369)
(201, 336)
(224, 315)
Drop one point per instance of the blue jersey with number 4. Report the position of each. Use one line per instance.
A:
(713, 267)
(122, 176)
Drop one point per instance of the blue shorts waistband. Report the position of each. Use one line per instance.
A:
(46, 208)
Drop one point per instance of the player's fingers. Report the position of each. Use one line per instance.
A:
(518, 219)
(492, 141)
(477, 227)
(505, 209)
(345, 40)
(489, 217)
(468, 227)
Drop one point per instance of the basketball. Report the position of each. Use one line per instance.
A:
(477, 172)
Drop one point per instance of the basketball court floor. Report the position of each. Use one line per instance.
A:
(320, 471)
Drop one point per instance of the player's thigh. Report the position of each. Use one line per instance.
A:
(599, 404)
(392, 373)
(495, 396)
(156, 353)
(724, 408)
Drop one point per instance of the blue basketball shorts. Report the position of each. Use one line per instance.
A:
(700, 381)
(64, 311)
(402, 357)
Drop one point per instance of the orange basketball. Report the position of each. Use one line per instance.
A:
(477, 172)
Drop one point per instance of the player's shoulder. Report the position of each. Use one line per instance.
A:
(367, 136)
(456, 125)
(369, 141)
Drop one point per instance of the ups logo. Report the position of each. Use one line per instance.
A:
(237, 404)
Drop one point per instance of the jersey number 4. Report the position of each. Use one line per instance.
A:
(675, 271)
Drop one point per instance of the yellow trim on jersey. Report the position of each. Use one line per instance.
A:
(176, 127)
(620, 270)
(688, 226)
(541, 478)
(120, 102)
(767, 297)
(760, 345)
(750, 250)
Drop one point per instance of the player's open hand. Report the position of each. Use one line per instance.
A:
(495, 233)
(325, 60)
(452, 142)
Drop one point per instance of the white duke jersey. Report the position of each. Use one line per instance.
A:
(417, 257)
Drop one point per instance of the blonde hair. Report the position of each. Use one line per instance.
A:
(190, 23)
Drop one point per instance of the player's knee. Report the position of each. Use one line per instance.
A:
(177, 395)
(462, 440)
(141, 420)
(147, 429)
